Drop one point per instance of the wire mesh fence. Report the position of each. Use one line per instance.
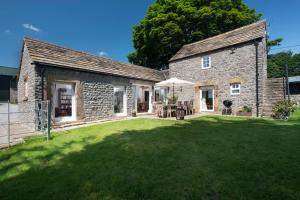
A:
(18, 121)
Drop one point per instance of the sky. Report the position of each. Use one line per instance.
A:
(104, 27)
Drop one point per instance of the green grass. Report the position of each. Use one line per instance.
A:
(205, 158)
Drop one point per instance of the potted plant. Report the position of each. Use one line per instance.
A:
(133, 114)
(282, 109)
(245, 111)
(172, 99)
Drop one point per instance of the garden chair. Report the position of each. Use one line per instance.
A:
(171, 110)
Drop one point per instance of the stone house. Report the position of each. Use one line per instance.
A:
(231, 66)
(82, 87)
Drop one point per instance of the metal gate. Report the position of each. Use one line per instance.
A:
(18, 122)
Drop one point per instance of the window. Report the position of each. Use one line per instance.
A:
(235, 88)
(26, 88)
(206, 62)
(160, 94)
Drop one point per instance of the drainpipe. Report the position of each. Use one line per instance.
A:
(42, 77)
(256, 72)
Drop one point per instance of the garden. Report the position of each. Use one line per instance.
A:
(211, 157)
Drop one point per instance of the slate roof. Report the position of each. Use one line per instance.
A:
(8, 71)
(294, 79)
(237, 36)
(54, 55)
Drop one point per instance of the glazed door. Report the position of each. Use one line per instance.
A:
(207, 99)
(64, 102)
(119, 100)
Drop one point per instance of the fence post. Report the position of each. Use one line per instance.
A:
(48, 120)
(8, 123)
(287, 81)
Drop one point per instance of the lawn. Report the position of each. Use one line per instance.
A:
(209, 157)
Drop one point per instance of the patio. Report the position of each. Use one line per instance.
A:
(171, 106)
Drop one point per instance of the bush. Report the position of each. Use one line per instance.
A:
(282, 109)
(246, 109)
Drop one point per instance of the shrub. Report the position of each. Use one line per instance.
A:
(172, 99)
(282, 109)
(246, 109)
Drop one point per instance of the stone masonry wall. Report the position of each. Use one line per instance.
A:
(274, 91)
(94, 92)
(227, 66)
(27, 105)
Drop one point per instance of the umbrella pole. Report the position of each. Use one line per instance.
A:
(173, 93)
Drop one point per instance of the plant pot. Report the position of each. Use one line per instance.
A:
(133, 114)
(245, 114)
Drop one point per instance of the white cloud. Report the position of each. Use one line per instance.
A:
(31, 27)
(7, 31)
(102, 53)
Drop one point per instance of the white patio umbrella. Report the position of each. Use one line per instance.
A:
(172, 82)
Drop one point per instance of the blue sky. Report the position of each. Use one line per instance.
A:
(105, 27)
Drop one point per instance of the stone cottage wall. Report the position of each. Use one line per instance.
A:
(94, 92)
(229, 65)
(27, 105)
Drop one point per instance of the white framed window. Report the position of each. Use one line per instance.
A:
(235, 88)
(206, 62)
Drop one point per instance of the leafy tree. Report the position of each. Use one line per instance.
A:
(277, 62)
(169, 24)
(273, 43)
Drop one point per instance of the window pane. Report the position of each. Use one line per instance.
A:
(119, 99)
(235, 88)
(205, 61)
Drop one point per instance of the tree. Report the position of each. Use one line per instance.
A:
(170, 24)
(277, 62)
(273, 43)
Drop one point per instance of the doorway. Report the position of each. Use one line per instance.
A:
(120, 107)
(146, 95)
(143, 98)
(64, 102)
(207, 99)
